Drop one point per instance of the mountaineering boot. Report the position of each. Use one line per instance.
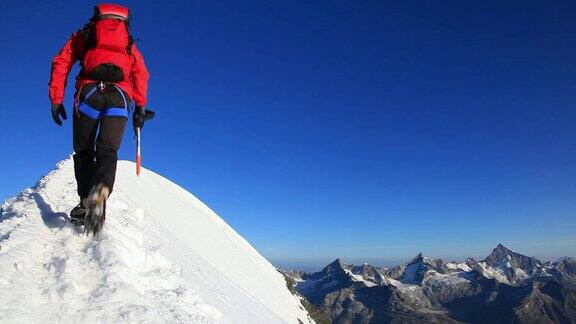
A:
(96, 209)
(78, 213)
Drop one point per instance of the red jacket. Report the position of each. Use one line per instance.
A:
(135, 85)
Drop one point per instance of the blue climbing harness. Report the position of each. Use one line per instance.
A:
(112, 111)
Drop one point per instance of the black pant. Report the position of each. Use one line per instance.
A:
(96, 141)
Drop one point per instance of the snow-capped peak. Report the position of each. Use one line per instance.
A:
(417, 258)
(508, 266)
(502, 256)
(338, 263)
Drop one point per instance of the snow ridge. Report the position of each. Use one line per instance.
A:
(138, 269)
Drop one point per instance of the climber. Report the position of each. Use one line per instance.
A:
(112, 81)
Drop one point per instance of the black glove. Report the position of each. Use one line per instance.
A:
(57, 112)
(140, 116)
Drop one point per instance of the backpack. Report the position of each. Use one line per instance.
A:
(108, 45)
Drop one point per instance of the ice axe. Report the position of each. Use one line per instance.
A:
(148, 114)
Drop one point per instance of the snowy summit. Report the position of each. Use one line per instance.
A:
(163, 256)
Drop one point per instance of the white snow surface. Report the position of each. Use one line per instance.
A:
(458, 266)
(360, 278)
(163, 256)
(494, 273)
(405, 288)
(445, 280)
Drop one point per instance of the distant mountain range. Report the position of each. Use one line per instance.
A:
(505, 287)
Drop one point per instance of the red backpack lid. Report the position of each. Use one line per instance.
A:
(103, 11)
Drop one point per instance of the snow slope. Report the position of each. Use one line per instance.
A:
(163, 256)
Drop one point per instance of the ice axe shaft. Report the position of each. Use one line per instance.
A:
(145, 114)
(138, 156)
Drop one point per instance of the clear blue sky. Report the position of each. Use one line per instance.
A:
(368, 130)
